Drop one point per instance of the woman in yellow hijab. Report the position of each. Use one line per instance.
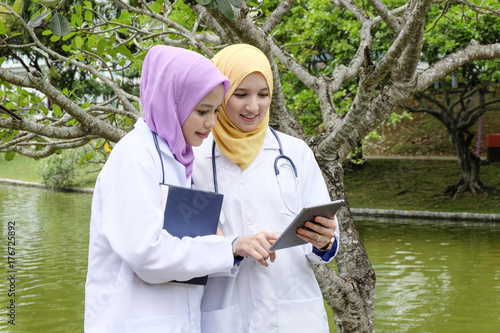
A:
(241, 145)
(242, 154)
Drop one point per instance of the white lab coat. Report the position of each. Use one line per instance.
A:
(284, 297)
(132, 259)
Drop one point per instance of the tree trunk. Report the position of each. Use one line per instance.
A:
(469, 165)
(351, 293)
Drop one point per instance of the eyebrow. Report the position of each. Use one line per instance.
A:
(246, 89)
(208, 105)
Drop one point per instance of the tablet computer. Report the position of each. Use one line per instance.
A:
(289, 236)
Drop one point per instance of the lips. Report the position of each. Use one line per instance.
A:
(202, 135)
(249, 117)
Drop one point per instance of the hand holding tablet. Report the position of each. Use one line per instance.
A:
(289, 236)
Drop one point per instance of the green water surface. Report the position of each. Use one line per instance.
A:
(431, 277)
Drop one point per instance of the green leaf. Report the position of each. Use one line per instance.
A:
(54, 38)
(203, 2)
(2, 59)
(9, 156)
(18, 6)
(37, 20)
(88, 4)
(212, 4)
(91, 41)
(76, 20)
(156, 7)
(226, 8)
(57, 110)
(66, 48)
(53, 71)
(68, 36)
(49, 3)
(47, 32)
(3, 30)
(86, 157)
(78, 42)
(59, 25)
(235, 3)
(78, 9)
(124, 50)
(101, 45)
(88, 15)
(294, 48)
(44, 109)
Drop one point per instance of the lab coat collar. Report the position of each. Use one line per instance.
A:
(142, 127)
(270, 142)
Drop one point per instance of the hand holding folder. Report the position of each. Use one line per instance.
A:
(190, 213)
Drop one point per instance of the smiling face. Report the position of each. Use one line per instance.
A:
(249, 103)
(202, 119)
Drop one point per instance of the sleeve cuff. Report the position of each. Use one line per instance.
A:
(237, 259)
(327, 255)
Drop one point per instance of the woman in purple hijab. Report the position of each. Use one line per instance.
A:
(132, 259)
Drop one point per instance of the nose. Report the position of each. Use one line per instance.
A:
(252, 105)
(210, 121)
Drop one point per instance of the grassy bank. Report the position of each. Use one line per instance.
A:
(412, 184)
(26, 169)
(20, 168)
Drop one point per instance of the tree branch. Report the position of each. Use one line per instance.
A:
(394, 23)
(454, 61)
(36, 81)
(49, 150)
(78, 64)
(276, 16)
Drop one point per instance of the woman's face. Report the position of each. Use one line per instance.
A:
(202, 119)
(249, 103)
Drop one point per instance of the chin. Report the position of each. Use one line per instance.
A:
(196, 144)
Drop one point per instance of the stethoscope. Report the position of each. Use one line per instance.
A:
(281, 155)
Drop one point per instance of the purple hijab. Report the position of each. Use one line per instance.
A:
(173, 82)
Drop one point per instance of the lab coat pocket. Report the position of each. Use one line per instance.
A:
(171, 324)
(302, 316)
(227, 320)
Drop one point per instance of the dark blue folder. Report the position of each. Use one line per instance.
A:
(191, 213)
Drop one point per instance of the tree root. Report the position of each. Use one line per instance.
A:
(475, 188)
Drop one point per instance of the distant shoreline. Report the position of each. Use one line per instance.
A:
(415, 214)
(42, 186)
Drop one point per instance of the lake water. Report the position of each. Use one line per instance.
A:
(431, 277)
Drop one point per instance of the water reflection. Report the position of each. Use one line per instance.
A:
(51, 258)
(431, 277)
(435, 276)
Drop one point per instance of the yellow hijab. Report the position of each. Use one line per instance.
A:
(236, 62)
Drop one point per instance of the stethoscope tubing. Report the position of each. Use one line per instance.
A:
(276, 170)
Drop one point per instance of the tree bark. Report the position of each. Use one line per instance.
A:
(469, 165)
(351, 293)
